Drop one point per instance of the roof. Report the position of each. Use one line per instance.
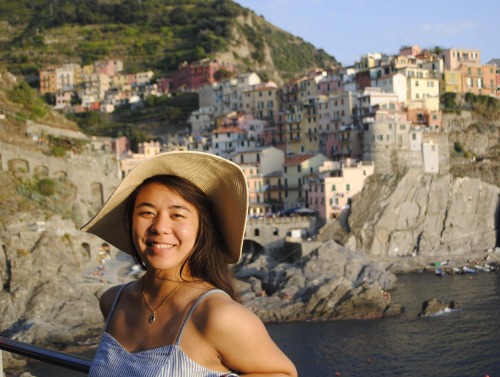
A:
(222, 130)
(298, 159)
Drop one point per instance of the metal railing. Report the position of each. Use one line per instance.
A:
(61, 359)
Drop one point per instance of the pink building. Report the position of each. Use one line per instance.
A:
(454, 58)
(332, 83)
(332, 145)
(121, 145)
(108, 67)
(275, 131)
(410, 51)
(193, 76)
(165, 85)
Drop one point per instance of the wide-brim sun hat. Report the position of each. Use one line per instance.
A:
(221, 180)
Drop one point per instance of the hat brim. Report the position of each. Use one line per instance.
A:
(221, 180)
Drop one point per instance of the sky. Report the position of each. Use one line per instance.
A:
(348, 29)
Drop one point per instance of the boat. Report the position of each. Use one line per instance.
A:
(469, 270)
(482, 268)
(439, 272)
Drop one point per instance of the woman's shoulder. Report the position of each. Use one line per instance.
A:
(220, 312)
(109, 296)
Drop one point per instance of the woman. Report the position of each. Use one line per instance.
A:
(182, 215)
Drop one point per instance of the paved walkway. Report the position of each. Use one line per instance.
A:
(113, 271)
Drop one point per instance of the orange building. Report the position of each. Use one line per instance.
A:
(479, 79)
(48, 80)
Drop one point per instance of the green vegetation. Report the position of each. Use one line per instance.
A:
(153, 35)
(292, 54)
(47, 187)
(486, 107)
(457, 147)
(51, 195)
(449, 103)
(167, 113)
(34, 106)
(57, 151)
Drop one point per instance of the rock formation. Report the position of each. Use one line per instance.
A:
(331, 282)
(435, 306)
(425, 214)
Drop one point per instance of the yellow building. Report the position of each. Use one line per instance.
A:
(452, 82)
(263, 101)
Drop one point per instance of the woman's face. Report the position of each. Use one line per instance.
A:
(164, 227)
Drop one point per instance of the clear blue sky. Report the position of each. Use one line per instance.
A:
(347, 29)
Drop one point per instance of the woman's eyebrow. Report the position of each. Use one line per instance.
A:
(179, 206)
(144, 204)
(174, 206)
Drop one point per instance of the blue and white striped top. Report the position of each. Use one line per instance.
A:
(112, 360)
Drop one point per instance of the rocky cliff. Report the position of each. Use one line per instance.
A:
(425, 214)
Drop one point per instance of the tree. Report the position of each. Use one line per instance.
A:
(222, 74)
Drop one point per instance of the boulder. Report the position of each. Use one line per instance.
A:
(331, 282)
(435, 306)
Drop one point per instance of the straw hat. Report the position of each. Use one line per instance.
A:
(221, 180)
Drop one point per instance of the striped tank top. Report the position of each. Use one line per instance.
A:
(112, 360)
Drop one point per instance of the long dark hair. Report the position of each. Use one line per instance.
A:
(208, 260)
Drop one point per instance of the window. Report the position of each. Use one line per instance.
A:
(299, 168)
(256, 232)
(334, 188)
(348, 187)
(275, 232)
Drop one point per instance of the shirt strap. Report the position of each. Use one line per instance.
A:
(193, 307)
(114, 304)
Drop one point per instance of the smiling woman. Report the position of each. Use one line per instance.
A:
(182, 215)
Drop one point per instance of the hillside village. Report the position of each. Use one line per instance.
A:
(306, 146)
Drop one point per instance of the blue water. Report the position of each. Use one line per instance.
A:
(464, 342)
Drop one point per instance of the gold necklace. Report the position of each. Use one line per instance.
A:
(152, 317)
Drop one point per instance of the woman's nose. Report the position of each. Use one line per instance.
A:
(161, 224)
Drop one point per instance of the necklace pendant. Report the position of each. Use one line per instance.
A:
(152, 317)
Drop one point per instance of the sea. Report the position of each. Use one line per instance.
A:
(459, 343)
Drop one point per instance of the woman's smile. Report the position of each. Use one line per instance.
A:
(164, 227)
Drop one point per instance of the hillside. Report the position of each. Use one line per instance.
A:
(154, 34)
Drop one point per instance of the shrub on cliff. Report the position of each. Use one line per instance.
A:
(47, 186)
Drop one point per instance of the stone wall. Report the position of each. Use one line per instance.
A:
(94, 175)
(271, 232)
(396, 159)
